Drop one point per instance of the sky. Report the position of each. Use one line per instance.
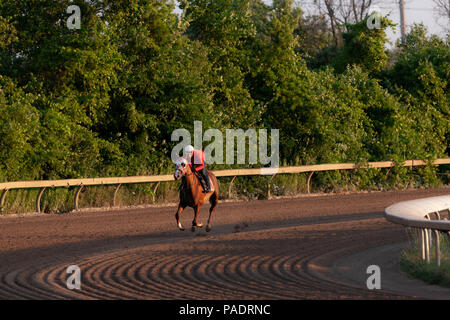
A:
(419, 11)
(416, 11)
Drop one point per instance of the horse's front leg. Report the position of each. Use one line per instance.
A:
(178, 215)
(194, 222)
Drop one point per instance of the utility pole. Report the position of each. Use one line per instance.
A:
(402, 20)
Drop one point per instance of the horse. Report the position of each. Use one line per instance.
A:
(191, 194)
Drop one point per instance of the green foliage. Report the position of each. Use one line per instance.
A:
(420, 76)
(411, 262)
(19, 129)
(364, 47)
(103, 100)
(314, 35)
(162, 84)
(227, 29)
(7, 32)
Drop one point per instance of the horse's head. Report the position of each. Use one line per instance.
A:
(181, 168)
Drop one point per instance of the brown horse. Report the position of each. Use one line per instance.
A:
(191, 193)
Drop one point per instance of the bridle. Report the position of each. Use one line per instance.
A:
(184, 171)
(185, 174)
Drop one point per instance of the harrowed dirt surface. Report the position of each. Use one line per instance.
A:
(312, 247)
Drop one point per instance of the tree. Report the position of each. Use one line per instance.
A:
(227, 29)
(314, 35)
(78, 65)
(420, 60)
(342, 13)
(163, 84)
(443, 11)
(7, 32)
(364, 47)
(420, 76)
(19, 133)
(443, 7)
(69, 72)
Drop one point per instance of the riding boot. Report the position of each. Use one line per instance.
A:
(206, 180)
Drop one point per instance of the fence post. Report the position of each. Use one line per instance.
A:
(309, 179)
(430, 236)
(38, 199)
(422, 238)
(77, 194)
(2, 200)
(229, 187)
(156, 185)
(268, 186)
(115, 193)
(427, 246)
(438, 252)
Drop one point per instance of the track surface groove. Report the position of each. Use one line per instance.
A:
(281, 251)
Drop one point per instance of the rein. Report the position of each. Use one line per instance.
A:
(187, 186)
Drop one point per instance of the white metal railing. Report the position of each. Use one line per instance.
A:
(418, 214)
(157, 179)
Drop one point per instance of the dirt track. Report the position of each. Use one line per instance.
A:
(277, 249)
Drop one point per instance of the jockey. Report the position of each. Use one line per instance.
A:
(196, 160)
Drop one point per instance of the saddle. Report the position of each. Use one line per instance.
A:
(202, 180)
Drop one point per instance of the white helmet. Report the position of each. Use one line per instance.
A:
(188, 149)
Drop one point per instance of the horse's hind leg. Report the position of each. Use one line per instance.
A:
(178, 215)
(213, 200)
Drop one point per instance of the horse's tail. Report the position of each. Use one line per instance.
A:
(215, 196)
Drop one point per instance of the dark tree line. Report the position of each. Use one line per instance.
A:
(104, 100)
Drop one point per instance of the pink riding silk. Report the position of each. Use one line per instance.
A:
(198, 159)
